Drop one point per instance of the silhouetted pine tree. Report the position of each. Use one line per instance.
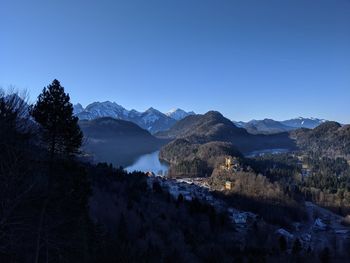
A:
(54, 112)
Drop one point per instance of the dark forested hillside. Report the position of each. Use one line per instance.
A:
(142, 223)
(198, 126)
(44, 192)
(117, 141)
(212, 126)
(193, 160)
(329, 139)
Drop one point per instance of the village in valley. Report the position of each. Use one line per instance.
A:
(323, 228)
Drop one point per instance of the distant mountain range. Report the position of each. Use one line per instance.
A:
(151, 120)
(269, 126)
(155, 121)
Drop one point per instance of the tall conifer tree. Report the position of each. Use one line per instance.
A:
(54, 112)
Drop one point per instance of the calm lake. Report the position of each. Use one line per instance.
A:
(149, 163)
(266, 151)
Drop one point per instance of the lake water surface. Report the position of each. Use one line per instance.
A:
(266, 151)
(149, 163)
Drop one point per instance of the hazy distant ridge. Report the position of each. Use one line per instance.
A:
(269, 126)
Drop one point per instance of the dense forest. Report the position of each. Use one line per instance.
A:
(192, 159)
(213, 126)
(329, 139)
(325, 180)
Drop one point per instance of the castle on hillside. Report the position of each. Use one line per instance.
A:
(231, 164)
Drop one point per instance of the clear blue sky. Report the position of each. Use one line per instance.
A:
(248, 59)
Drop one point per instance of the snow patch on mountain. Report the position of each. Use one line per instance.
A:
(301, 122)
(178, 114)
(151, 120)
(77, 108)
(103, 109)
(272, 126)
(151, 115)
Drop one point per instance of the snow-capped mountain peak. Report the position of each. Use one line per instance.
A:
(103, 109)
(151, 115)
(301, 122)
(153, 110)
(152, 119)
(77, 108)
(134, 113)
(173, 110)
(106, 105)
(178, 114)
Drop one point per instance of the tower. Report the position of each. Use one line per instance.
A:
(228, 162)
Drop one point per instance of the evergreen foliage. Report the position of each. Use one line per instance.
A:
(54, 112)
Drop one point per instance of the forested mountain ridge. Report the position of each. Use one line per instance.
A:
(213, 126)
(201, 125)
(192, 160)
(330, 139)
